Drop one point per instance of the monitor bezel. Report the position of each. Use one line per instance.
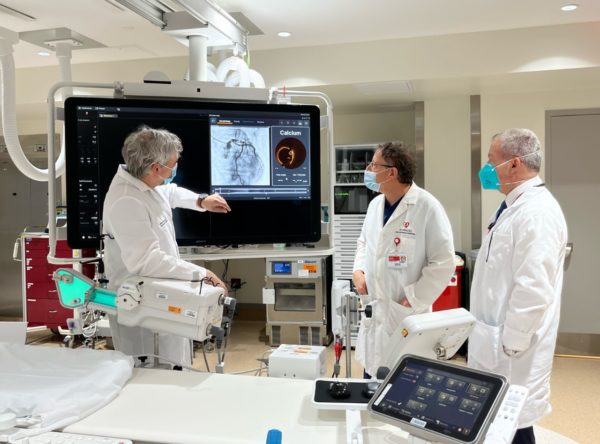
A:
(430, 431)
(312, 234)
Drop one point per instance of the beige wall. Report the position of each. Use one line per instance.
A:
(525, 110)
(374, 127)
(475, 54)
(447, 162)
(447, 143)
(250, 271)
(32, 126)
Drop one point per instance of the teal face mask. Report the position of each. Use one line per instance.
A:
(489, 177)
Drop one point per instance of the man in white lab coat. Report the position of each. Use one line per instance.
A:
(404, 256)
(515, 294)
(139, 230)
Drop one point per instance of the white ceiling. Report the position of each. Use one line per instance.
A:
(367, 24)
(311, 22)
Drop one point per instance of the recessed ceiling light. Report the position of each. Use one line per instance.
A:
(571, 7)
(43, 53)
(284, 34)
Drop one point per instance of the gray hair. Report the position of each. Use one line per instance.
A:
(520, 142)
(146, 146)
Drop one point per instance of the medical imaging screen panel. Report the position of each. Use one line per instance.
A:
(260, 158)
(263, 158)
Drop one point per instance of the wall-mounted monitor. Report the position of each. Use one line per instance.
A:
(263, 158)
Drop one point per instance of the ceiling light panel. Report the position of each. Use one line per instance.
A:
(570, 7)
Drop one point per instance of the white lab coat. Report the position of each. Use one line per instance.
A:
(515, 294)
(420, 234)
(138, 221)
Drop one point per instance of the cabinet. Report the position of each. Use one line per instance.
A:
(346, 229)
(297, 295)
(351, 200)
(351, 161)
(40, 299)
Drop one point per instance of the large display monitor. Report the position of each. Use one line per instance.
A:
(437, 401)
(263, 158)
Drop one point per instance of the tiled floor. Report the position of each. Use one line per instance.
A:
(575, 382)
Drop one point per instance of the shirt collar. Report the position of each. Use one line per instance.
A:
(514, 194)
(125, 175)
(412, 194)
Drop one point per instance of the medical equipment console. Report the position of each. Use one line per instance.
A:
(264, 158)
(439, 402)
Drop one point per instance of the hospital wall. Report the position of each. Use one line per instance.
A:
(451, 57)
(447, 143)
(447, 138)
(526, 110)
(374, 127)
(447, 162)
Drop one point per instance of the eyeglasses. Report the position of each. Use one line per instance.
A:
(372, 164)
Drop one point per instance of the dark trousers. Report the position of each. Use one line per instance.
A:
(524, 436)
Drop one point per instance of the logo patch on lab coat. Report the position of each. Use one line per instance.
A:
(405, 230)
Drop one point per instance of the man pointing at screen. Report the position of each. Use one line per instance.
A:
(139, 231)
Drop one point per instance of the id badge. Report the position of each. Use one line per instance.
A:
(397, 260)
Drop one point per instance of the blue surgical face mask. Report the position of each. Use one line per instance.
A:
(371, 181)
(169, 179)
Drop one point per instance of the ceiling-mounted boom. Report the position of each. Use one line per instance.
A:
(185, 18)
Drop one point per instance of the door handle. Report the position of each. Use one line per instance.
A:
(16, 250)
(568, 254)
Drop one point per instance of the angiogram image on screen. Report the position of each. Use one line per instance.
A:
(240, 155)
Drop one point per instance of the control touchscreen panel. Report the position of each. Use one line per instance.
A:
(282, 268)
(443, 398)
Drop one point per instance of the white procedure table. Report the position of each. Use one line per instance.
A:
(188, 407)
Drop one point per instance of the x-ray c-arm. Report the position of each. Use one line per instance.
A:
(190, 309)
